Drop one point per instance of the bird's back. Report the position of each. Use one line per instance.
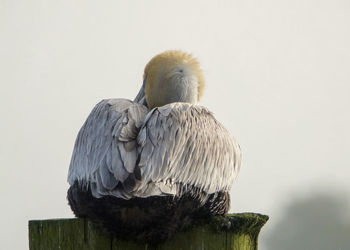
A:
(145, 173)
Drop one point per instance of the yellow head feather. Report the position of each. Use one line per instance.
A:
(161, 67)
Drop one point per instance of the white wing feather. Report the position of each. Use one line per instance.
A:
(179, 144)
(105, 151)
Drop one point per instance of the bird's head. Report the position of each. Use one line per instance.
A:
(172, 76)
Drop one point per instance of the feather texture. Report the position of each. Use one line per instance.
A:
(127, 151)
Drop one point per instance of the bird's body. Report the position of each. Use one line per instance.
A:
(148, 167)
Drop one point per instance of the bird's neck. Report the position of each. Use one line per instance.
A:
(179, 86)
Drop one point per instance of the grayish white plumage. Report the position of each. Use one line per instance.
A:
(158, 143)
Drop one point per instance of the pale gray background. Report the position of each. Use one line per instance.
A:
(277, 76)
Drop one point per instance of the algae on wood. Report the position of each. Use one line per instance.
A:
(232, 232)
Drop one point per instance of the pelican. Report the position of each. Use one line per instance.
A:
(149, 167)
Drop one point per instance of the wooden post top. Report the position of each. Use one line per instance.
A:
(231, 232)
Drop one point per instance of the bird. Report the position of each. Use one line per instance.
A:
(147, 168)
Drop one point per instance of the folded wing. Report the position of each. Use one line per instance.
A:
(124, 151)
(181, 144)
(105, 151)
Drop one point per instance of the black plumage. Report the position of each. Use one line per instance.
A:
(152, 219)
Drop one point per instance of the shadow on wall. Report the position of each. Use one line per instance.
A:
(319, 221)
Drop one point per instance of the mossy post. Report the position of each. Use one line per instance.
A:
(234, 231)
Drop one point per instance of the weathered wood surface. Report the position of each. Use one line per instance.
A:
(232, 232)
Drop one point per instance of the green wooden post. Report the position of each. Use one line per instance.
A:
(232, 232)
